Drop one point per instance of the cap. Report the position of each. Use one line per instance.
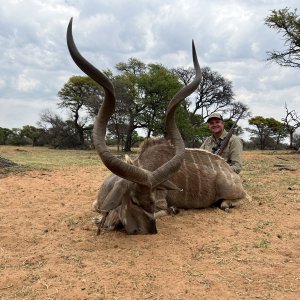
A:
(214, 115)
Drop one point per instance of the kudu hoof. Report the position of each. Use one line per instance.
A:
(172, 210)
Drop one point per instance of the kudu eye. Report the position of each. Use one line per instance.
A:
(135, 201)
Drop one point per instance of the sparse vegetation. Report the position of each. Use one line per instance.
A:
(49, 248)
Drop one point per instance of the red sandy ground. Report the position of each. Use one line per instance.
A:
(49, 248)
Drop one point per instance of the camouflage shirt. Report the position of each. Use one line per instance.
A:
(232, 153)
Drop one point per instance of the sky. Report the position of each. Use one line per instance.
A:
(230, 37)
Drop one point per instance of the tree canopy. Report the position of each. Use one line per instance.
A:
(268, 132)
(143, 92)
(78, 95)
(291, 123)
(287, 23)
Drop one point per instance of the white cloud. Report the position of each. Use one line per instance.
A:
(2, 83)
(24, 83)
(15, 113)
(230, 36)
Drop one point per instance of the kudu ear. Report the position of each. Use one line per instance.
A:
(113, 198)
(168, 185)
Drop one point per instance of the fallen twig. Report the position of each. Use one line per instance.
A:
(282, 158)
(280, 165)
(6, 287)
(287, 169)
(284, 167)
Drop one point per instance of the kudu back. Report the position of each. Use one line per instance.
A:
(164, 174)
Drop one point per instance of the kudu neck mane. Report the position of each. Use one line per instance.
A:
(150, 142)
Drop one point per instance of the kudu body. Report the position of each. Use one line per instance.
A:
(164, 174)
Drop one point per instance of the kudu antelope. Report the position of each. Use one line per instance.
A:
(164, 175)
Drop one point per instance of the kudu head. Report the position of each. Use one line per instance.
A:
(131, 193)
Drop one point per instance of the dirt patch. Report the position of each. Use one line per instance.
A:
(49, 248)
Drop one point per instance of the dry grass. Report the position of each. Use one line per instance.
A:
(48, 159)
(49, 248)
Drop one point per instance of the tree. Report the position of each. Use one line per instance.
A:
(159, 86)
(78, 95)
(214, 94)
(236, 108)
(143, 92)
(118, 123)
(57, 132)
(16, 137)
(297, 142)
(4, 135)
(93, 103)
(269, 131)
(32, 133)
(262, 131)
(185, 76)
(278, 130)
(287, 23)
(130, 94)
(192, 127)
(291, 122)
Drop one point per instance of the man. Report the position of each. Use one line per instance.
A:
(233, 152)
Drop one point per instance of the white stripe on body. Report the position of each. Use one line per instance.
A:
(186, 182)
(198, 174)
